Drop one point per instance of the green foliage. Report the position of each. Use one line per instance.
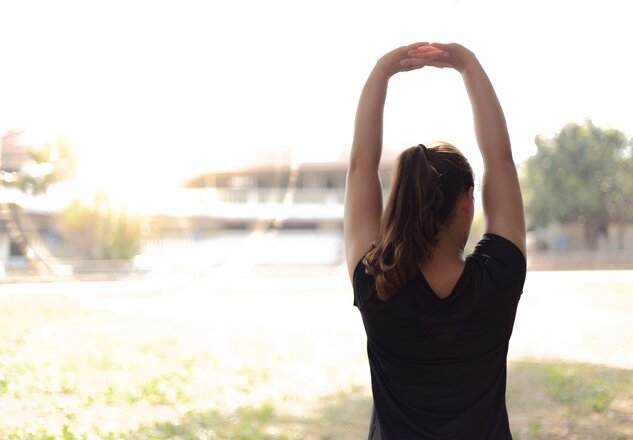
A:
(252, 377)
(4, 380)
(31, 433)
(52, 163)
(246, 423)
(583, 173)
(569, 400)
(104, 233)
(68, 435)
(166, 389)
(572, 385)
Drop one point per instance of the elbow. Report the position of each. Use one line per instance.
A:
(362, 163)
(353, 165)
(500, 157)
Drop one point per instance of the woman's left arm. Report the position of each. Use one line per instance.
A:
(363, 189)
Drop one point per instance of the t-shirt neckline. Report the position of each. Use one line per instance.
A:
(456, 288)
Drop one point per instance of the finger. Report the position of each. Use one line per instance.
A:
(419, 65)
(424, 58)
(423, 49)
(426, 50)
(442, 46)
(440, 64)
(419, 62)
(412, 62)
(427, 53)
(421, 44)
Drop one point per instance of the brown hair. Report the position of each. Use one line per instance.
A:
(425, 186)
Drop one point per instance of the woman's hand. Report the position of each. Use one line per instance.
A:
(458, 57)
(412, 57)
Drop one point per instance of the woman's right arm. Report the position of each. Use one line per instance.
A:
(363, 193)
(503, 204)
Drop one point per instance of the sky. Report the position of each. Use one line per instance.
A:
(150, 93)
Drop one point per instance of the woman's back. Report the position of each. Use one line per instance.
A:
(438, 365)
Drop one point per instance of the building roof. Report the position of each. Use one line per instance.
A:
(283, 161)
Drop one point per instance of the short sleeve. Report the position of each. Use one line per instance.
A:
(363, 285)
(503, 261)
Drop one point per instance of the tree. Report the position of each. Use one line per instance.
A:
(51, 163)
(585, 174)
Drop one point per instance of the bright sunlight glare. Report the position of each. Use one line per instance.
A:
(151, 94)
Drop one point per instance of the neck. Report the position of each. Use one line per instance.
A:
(449, 248)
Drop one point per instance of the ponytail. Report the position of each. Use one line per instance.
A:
(425, 186)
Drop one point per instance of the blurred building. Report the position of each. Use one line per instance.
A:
(306, 195)
(267, 210)
(564, 246)
(15, 150)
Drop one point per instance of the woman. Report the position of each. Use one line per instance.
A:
(437, 323)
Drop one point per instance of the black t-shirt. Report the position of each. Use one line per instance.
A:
(438, 366)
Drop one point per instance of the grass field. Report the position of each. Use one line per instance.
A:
(280, 354)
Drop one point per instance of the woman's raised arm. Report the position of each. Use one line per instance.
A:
(363, 190)
(503, 204)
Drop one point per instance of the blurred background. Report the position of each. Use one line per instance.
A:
(171, 202)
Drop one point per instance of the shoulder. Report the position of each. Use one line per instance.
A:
(502, 260)
(495, 245)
